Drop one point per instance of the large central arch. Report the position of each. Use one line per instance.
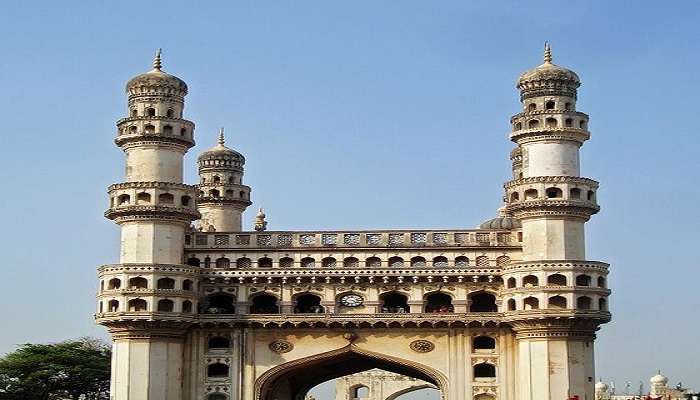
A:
(292, 380)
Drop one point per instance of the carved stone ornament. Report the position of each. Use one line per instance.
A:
(281, 346)
(422, 346)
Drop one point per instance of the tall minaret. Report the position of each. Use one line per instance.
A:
(558, 299)
(153, 208)
(222, 197)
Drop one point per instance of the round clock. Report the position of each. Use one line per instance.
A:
(351, 300)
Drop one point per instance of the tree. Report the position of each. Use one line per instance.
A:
(74, 369)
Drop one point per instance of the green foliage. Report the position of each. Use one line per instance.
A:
(66, 370)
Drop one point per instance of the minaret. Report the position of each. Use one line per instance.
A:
(557, 298)
(222, 197)
(153, 208)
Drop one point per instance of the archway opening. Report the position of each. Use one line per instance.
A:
(264, 304)
(308, 304)
(438, 303)
(219, 304)
(394, 302)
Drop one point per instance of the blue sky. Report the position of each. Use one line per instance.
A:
(362, 114)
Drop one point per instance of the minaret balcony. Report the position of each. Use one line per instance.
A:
(541, 133)
(123, 213)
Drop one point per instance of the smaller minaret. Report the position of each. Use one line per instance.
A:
(260, 223)
(222, 197)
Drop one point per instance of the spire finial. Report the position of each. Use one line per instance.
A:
(221, 136)
(156, 61)
(547, 53)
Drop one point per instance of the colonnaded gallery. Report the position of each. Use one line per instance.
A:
(200, 309)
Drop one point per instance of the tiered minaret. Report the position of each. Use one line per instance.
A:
(555, 299)
(222, 195)
(147, 300)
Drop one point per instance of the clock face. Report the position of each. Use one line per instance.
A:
(351, 300)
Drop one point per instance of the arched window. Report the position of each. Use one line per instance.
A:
(265, 262)
(243, 262)
(602, 304)
(532, 107)
(531, 194)
(556, 280)
(230, 180)
(151, 112)
(223, 262)
(583, 303)
(551, 123)
(484, 396)
(556, 302)
(136, 305)
(394, 302)
(567, 106)
(150, 129)
(219, 304)
(123, 199)
(373, 262)
(143, 198)
(482, 261)
(531, 303)
(530, 280)
(217, 370)
(568, 122)
(183, 132)
(351, 262)
(308, 303)
(438, 302)
(395, 262)
(187, 285)
(308, 262)
(601, 282)
(518, 126)
(583, 280)
(113, 306)
(166, 198)
(461, 262)
(484, 343)
(328, 262)
(219, 342)
(134, 113)
(216, 179)
(264, 304)
(575, 193)
(418, 262)
(549, 105)
(185, 200)
(133, 129)
(511, 305)
(591, 195)
(359, 392)
(166, 283)
(168, 130)
(515, 196)
(138, 283)
(502, 261)
(165, 305)
(482, 302)
(554, 193)
(242, 194)
(114, 283)
(207, 262)
(193, 261)
(217, 396)
(511, 283)
(582, 124)
(286, 262)
(170, 113)
(214, 193)
(440, 262)
(484, 370)
(533, 123)
(187, 306)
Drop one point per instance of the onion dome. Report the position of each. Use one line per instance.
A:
(601, 387)
(505, 220)
(221, 156)
(548, 79)
(658, 379)
(158, 78)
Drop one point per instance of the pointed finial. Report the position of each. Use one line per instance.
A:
(221, 136)
(156, 61)
(547, 53)
(260, 223)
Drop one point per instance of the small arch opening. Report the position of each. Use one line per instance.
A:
(193, 261)
(530, 280)
(166, 305)
(286, 262)
(114, 283)
(601, 282)
(137, 305)
(438, 303)
(515, 196)
(351, 262)
(395, 262)
(143, 198)
(187, 285)
(551, 122)
(187, 306)
(532, 107)
(511, 305)
(484, 370)
(373, 262)
(138, 283)
(149, 129)
(308, 304)
(168, 130)
(575, 193)
(151, 112)
(440, 262)
(113, 306)
(359, 392)
(328, 262)
(511, 283)
(554, 193)
(567, 106)
(602, 304)
(217, 370)
(533, 123)
(166, 198)
(583, 303)
(461, 262)
(590, 195)
(223, 262)
(484, 343)
(170, 113)
(556, 280)
(583, 280)
(123, 199)
(264, 304)
(185, 200)
(218, 342)
(265, 262)
(165, 283)
(531, 303)
(549, 105)
(418, 262)
(220, 304)
(482, 302)
(556, 302)
(394, 302)
(568, 122)
(308, 262)
(531, 194)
